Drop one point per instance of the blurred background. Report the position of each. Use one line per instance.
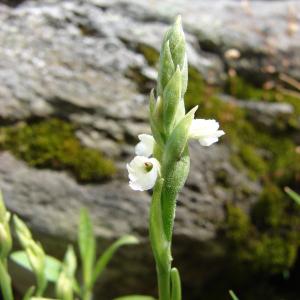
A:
(74, 83)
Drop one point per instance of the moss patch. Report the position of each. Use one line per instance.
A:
(150, 54)
(53, 144)
(267, 241)
(239, 88)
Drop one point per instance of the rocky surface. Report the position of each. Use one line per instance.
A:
(75, 59)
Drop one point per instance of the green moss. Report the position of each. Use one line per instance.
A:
(53, 144)
(273, 254)
(150, 54)
(239, 88)
(268, 212)
(238, 224)
(196, 90)
(253, 161)
(272, 250)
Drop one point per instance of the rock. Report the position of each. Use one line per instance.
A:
(268, 114)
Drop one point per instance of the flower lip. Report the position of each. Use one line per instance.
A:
(148, 166)
(205, 131)
(145, 146)
(143, 172)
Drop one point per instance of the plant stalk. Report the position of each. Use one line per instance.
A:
(163, 283)
(5, 282)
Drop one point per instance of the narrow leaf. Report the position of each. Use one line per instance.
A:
(176, 284)
(29, 293)
(158, 239)
(175, 176)
(293, 195)
(52, 265)
(87, 245)
(105, 258)
(233, 295)
(178, 140)
(5, 282)
(135, 297)
(166, 67)
(171, 98)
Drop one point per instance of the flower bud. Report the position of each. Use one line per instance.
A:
(173, 54)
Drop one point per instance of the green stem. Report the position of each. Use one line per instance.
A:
(161, 247)
(87, 295)
(163, 283)
(5, 282)
(41, 285)
(176, 285)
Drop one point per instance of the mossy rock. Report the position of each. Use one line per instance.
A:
(151, 55)
(241, 89)
(267, 240)
(270, 251)
(53, 144)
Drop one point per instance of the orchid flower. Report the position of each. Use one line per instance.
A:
(143, 172)
(145, 146)
(205, 131)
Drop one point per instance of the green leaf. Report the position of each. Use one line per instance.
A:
(105, 258)
(175, 168)
(293, 195)
(52, 265)
(184, 76)
(171, 99)
(155, 118)
(175, 176)
(135, 297)
(70, 262)
(158, 239)
(176, 284)
(2, 208)
(176, 39)
(87, 245)
(29, 293)
(41, 298)
(177, 142)
(233, 295)
(166, 67)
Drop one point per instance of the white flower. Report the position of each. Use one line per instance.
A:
(143, 172)
(206, 131)
(145, 146)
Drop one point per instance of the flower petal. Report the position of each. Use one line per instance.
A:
(145, 146)
(142, 179)
(206, 131)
